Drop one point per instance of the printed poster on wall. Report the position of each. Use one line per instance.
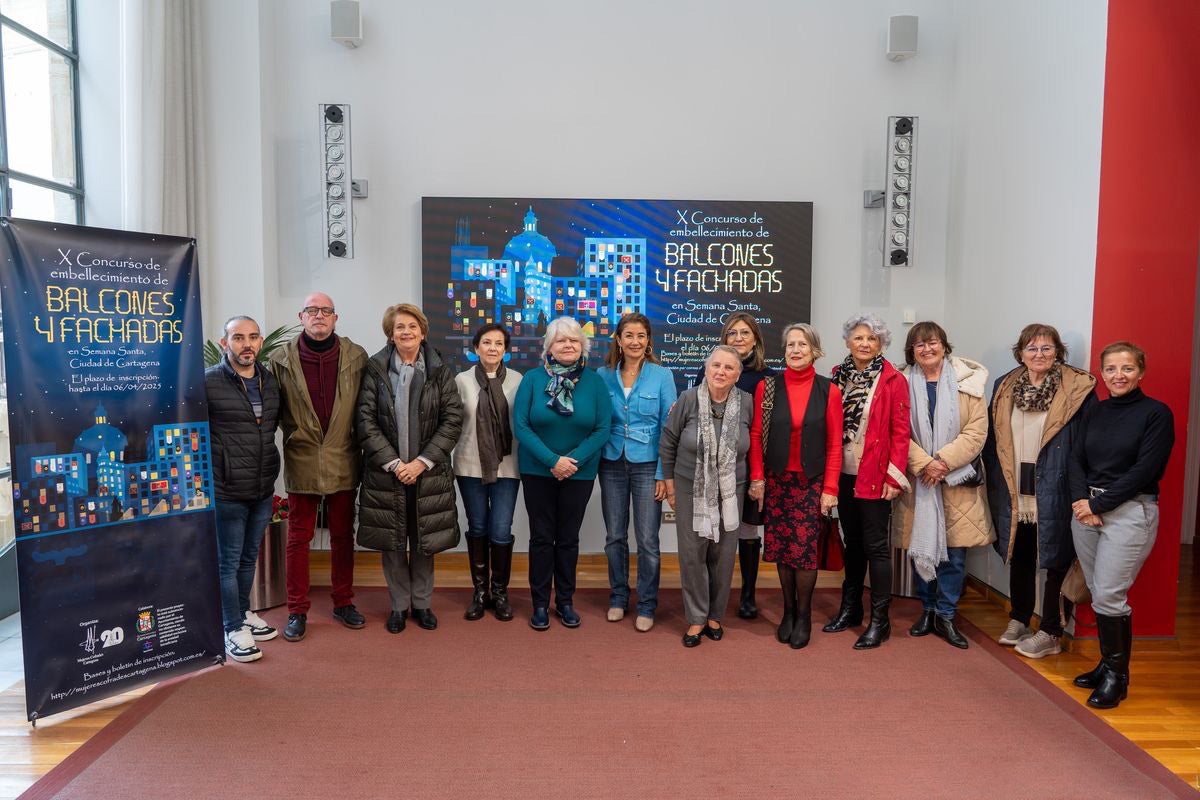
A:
(685, 264)
(111, 480)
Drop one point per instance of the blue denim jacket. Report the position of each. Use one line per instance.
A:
(638, 420)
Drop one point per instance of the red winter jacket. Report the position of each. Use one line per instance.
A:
(885, 444)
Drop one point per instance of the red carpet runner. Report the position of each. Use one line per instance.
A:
(498, 710)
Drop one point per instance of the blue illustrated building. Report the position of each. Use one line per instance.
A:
(529, 286)
(95, 485)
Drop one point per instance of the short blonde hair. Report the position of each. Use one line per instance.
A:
(389, 318)
(565, 326)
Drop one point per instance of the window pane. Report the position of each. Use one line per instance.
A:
(39, 109)
(34, 202)
(50, 18)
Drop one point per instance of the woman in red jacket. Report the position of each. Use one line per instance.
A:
(875, 434)
(794, 472)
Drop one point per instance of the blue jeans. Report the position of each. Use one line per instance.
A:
(489, 507)
(240, 529)
(941, 595)
(620, 482)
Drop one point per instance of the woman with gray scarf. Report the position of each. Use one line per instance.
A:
(485, 467)
(703, 448)
(946, 512)
(409, 418)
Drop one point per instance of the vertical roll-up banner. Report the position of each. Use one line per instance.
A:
(111, 481)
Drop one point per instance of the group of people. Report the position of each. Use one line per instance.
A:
(917, 457)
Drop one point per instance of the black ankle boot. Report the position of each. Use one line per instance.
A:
(924, 624)
(501, 570)
(850, 613)
(806, 581)
(1116, 638)
(880, 628)
(748, 551)
(787, 582)
(477, 557)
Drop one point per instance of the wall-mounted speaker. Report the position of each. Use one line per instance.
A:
(335, 149)
(902, 37)
(345, 22)
(898, 192)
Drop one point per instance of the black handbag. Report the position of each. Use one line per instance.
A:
(751, 513)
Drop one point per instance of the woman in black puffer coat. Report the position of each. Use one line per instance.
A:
(409, 418)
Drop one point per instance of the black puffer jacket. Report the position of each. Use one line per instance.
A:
(245, 460)
(382, 501)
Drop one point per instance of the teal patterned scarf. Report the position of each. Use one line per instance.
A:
(561, 387)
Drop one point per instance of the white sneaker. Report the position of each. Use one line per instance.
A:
(616, 614)
(259, 629)
(1039, 645)
(1015, 633)
(239, 645)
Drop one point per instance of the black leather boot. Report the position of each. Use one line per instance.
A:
(787, 582)
(477, 556)
(501, 570)
(880, 627)
(748, 551)
(806, 581)
(924, 624)
(1091, 679)
(946, 629)
(1116, 639)
(850, 613)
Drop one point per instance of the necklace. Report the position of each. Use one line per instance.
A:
(718, 410)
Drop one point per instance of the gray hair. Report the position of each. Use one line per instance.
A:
(238, 318)
(877, 326)
(728, 349)
(565, 326)
(810, 335)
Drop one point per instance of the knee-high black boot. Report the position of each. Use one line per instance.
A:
(880, 628)
(787, 582)
(806, 581)
(477, 556)
(1116, 639)
(501, 570)
(748, 550)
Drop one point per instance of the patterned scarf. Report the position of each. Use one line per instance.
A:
(561, 386)
(1028, 397)
(856, 386)
(715, 488)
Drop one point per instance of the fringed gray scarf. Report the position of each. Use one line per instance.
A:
(716, 467)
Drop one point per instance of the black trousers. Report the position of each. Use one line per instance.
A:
(555, 515)
(1022, 582)
(866, 529)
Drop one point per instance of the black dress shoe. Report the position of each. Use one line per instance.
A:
(348, 615)
(425, 618)
(693, 639)
(945, 629)
(714, 633)
(924, 624)
(395, 621)
(566, 613)
(297, 625)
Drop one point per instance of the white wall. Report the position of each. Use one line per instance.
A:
(767, 99)
(1024, 184)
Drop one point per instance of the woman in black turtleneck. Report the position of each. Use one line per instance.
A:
(743, 334)
(1116, 463)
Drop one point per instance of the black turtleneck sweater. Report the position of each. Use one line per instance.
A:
(1123, 449)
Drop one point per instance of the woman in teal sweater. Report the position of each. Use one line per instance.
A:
(561, 417)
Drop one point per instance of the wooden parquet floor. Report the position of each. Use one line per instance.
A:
(1162, 714)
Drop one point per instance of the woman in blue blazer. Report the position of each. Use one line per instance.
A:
(642, 392)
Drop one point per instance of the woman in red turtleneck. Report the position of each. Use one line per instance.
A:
(794, 473)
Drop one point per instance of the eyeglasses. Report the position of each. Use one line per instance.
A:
(742, 334)
(928, 344)
(321, 311)
(1044, 350)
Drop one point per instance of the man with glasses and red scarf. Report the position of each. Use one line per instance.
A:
(319, 373)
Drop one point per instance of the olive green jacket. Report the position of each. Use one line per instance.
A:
(314, 463)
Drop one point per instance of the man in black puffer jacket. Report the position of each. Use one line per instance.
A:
(243, 413)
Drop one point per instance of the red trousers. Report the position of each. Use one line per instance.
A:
(302, 520)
